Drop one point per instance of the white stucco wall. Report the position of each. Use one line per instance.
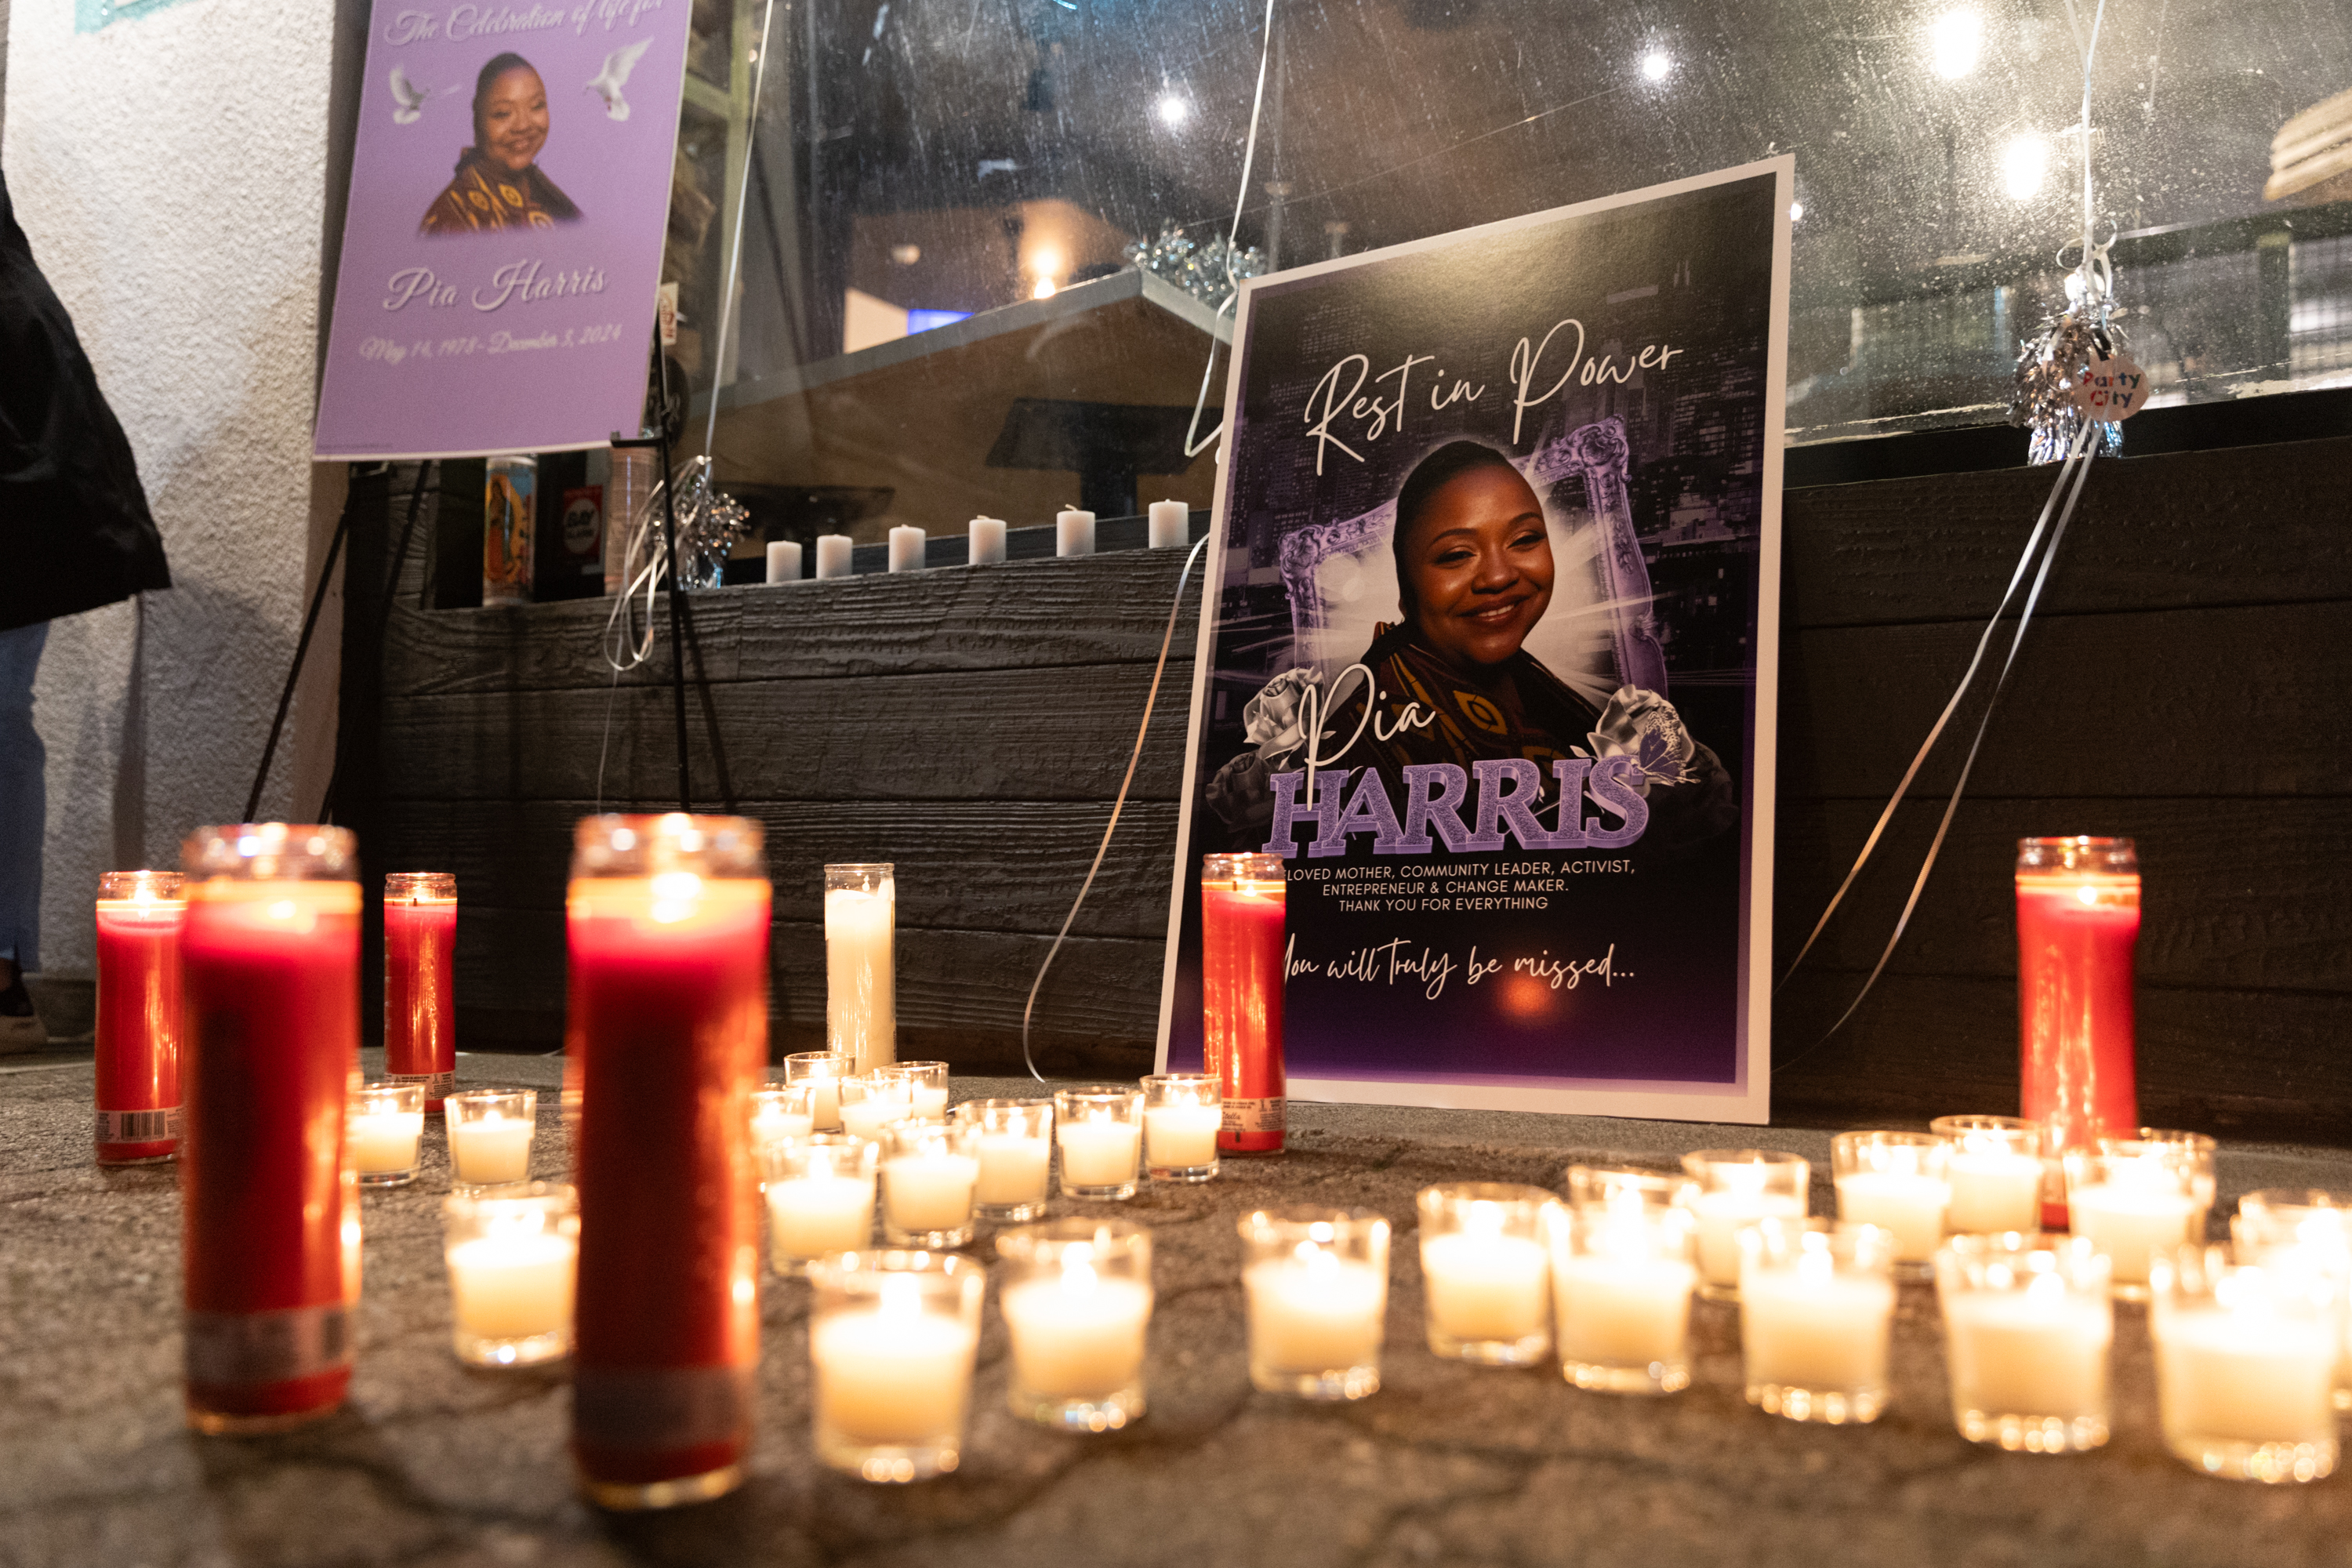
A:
(170, 173)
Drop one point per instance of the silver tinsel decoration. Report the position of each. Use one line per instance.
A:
(708, 524)
(1200, 269)
(2048, 364)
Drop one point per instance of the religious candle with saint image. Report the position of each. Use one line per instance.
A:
(420, 1013)
(668, 925)
(269, 1208)
(1242, 915)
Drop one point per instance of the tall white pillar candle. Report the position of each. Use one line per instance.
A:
(861, 974)
(1170, 521)
(905, 549)
(833, 555)
(986, 537)
(783, 561)
(1074, 532)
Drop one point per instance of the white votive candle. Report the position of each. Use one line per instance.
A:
(1178, 1136)
(1078, 1336)
(892, 1377)
(1817, 1331)
(1013, 1170)
(492, 1149)
(1994, 1191)
(2244, 1377)
(929, 1192)
(1315, 1314)
(1621, 1312)
(985, 541)
(1074, 532)
(512, 1286)
(1909, 1206)
(384, 1143)
(1721, 1213)
(833, 555)
(2131, 1222)
(866, 1117)
(811, 1217)
(1170, 521)
(905, 549)
(783, 561)
(929, 1103)
(1485, 1288)
(2041, 1351)
(775, 1126)
(1097, 1153)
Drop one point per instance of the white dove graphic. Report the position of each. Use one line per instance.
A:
(607, 83)
(408, 99)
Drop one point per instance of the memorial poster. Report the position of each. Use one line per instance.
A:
(1487, 654)
(502, 247)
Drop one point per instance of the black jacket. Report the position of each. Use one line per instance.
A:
(74, 531)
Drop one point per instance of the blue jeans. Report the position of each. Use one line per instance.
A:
(24, 802)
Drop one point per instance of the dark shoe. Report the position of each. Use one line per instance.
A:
(20, 1026)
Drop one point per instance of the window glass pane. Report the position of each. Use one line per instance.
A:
(936, 189)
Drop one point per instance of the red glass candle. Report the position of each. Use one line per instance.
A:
(2077, 924)
(1240, 996)
(139, 919)
(420, 1019)
(669, 984)
(270, 1218)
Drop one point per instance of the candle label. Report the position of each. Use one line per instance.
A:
(1253, 1115)
(437, 1084)
(139, 1126)
(1523, 861)
(241, 1348)
(660, 1408)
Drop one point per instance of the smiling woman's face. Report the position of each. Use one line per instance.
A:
(514, 119)
(1481, 567)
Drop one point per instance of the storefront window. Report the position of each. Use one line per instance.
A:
(913, 168)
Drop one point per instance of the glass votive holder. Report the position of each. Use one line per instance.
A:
(1485, 1272)
(2028, 1325)
(1736, 1187)
(2308, 1228)
(891, 1340)
(1182, 1114)
(1816, 1306)
(381, 1131)
(1901, 1182)
(1013, 1142)
(1997, 1173)
(927, 1087)
(1099, 1128)
(490, 1131)
(782, 1110)
(1621, 1278)
(1318, 1284)
(871, 1101)
(928, 1175)
(2136, 1202)
(2245, 1362)
(1660, 1186)
(2194, 1151)
(1076, 1299)
(821, 1072)
(820, 1198)
(514, 1253)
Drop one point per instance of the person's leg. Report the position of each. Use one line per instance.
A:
(24, 822)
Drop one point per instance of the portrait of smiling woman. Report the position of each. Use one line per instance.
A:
(499, 183)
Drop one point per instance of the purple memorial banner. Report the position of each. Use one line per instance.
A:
(1487, 654)
(509, 193)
